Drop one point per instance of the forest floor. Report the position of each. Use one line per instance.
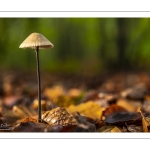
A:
(113, 102)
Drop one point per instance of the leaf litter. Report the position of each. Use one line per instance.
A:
(116, 104)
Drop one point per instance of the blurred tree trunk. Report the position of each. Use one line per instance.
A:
(70, 45)
(121, 42)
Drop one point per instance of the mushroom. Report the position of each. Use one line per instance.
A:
(37, 41)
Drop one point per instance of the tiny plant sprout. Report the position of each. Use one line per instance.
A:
(37, 41)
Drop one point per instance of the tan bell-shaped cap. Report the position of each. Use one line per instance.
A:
(36, 39)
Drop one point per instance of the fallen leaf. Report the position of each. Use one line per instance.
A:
(145, 122)
(90, 96)
(113, 109)
(30, 127)
(54, 92)
(146, 106)
(134, 128)
(138, 92)
(73, 92)
(83, 124)
(29, 120)
(36, 102)
(89, 109)
(115, 129)
(62, 98)
(120, 118)
(106, 129)
(130, 106)
(147, 97)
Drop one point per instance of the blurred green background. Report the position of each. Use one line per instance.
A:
(81, 45)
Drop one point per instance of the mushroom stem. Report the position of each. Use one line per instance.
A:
(39, 84)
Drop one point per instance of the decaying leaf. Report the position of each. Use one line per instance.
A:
(30, 127)
(89, 109)
(29, 120)
(69, 106)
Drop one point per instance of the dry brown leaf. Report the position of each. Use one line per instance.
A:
(36, 103)
(29, 119)
(73, 92)
(147, 97)
(64, 101)
(137, 92)
(115, 129)
(117, 115)
(54, 92)
(134, 128)
(129, 106)
(113, 109)
(106, 129)
(145, 122)
(63, 98)
(89, 109)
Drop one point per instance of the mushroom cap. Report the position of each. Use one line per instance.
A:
(36, 39)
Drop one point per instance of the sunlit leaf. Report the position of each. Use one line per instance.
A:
(89, 109)
(54, 91)
(63, 98)
(128, 105)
